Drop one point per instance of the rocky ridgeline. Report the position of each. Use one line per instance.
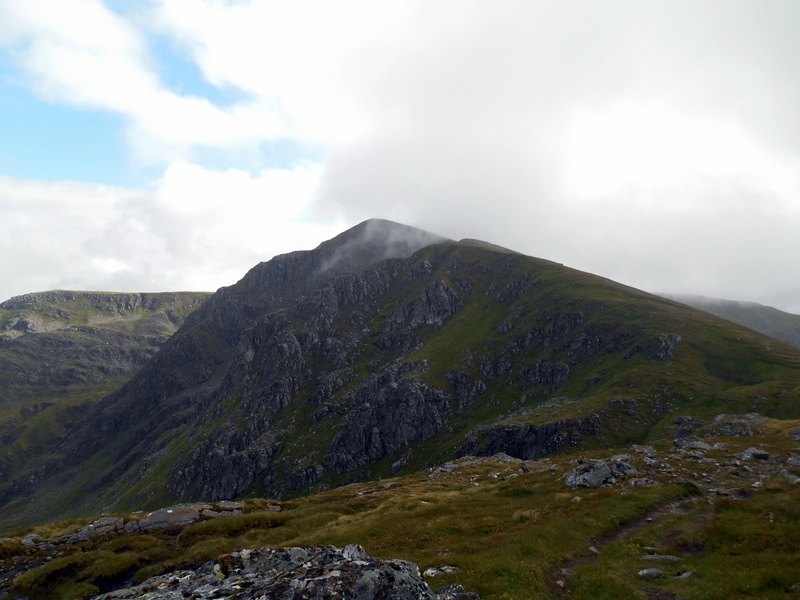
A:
(713, 467)
(719, 468)
(365, 355)
(63, 309)
(321, 572)
(312, 349)
(179, 514)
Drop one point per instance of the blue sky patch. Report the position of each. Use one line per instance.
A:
(180, 74)
(53, 142)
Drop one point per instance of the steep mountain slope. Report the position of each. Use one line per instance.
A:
(358, 360)
(62, 350)
(770, 321)
(192, 359)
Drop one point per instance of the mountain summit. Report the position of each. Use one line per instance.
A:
(387, 349)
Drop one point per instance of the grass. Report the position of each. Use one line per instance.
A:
(735, 549)
(510, 535)
(483, 529)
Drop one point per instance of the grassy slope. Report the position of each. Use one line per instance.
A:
(718, 366)
(513, 535)
(770, 321)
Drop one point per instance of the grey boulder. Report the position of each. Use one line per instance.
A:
(307, 573)
(592, 474)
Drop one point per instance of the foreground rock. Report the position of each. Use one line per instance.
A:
(322, 572)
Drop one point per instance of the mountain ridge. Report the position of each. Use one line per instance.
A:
(319, 369)
(61, 351)
(770, 321)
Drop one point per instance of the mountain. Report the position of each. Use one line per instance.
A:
(62, 350)
(770, 321)
(59, 341)
(386, 350)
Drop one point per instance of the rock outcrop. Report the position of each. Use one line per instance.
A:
(308, 573)
(592, 474)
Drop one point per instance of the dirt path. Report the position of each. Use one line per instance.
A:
(559, 576)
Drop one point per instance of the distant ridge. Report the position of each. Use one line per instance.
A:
(770, 321)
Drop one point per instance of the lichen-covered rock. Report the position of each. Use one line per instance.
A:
(642, 481)
(32, 539)
(620, 469)
(179, 514)
(455, 592)
(101, 526)
(308, 573)
(592, 474)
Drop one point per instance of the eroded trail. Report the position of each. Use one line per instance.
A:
(560, 575)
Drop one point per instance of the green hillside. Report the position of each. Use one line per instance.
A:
(770, 321)
(458, 350)
(343, 382)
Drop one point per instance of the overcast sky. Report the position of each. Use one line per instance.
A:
(152, 145)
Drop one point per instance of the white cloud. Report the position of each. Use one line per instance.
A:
(654, 143)
(199, 229)
(653, 149)
(80, 52)
(307, 59)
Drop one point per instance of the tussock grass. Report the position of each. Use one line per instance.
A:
(508, 535)
(230, 527)
(10, 547)
(735, 548)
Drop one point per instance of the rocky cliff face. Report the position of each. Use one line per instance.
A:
(51, 341)
(387, 349)
(62, 350)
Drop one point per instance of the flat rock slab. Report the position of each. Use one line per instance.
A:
(179, 514)
(662, 557)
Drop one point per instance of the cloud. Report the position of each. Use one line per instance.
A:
(305, 59)
(81, 53)
(652, 147)
(657, 144)
(198, 229)
(635, 141)
(45, 226)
